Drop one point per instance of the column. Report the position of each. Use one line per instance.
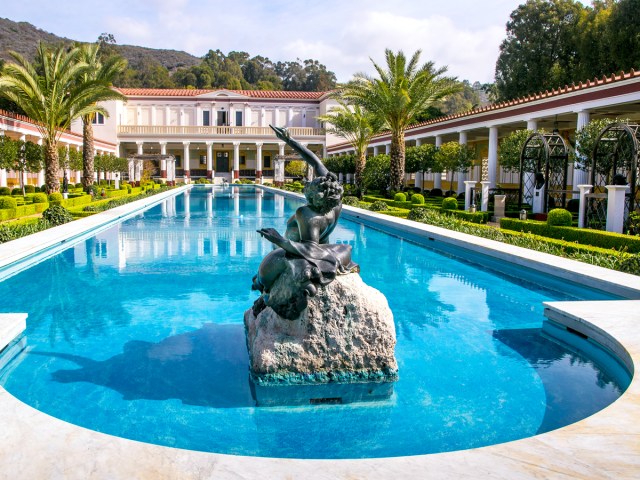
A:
(3, 171)
(186, 160)
(181, 116)
(276, 116)
(163, 162)
(247, 116)
(139, 163)
(262, 117)
(289, 116)
(210, 173)
(485, 196)
(582, 208)
(236, 160)
(615, 207)
(41, 172)
(529, 177)
(376, 150)
(258, 162)
(132, 170)
(78, 173)
(532, 124)
(278, 166)
(462, 176)
(437, 176)
(387, 148)
(493, 155)
(154, 115)
(581, 176)
(167, 115)
(324, 150)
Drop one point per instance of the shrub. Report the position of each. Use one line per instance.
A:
(351, 200)
(40, 198)
(450, 193)
(450, 203)
(631, 265)
(5, 191)
(559, 217)
(378, 206)
(7, 202)
(79, 185)
(57, 214)
(129, 189)
(16, 191)
(29, 189)
(55, 197)
(436, 192)
(417, 199)
(37, 189)
(399, 197)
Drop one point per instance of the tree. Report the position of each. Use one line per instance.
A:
(539, 52)
(421, 158)
(403, 91)
(511, 149)
(453, 157)
(9, 152)
(296, 168)
(357, 126)
(586, 139)
(99, 73)
(53, 98)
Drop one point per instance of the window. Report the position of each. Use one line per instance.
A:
(206, 118)
(203, 159)
(98, 119)
(238, 118)
(222, 118)
(267, 162)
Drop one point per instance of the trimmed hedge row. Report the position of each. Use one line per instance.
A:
(77, 201)
(597, 238)
(22, 211)
(116, 193)
(477, 217)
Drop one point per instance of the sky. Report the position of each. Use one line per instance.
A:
(344, 35)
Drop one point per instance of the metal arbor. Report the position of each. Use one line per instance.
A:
(544, 160)
(614, 162)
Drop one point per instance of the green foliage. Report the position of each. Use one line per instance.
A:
(511, 148)
(351, 200)
(16, 191)
(12, 231)
(340, 163)
(584, 236)
(421, 159)
(378, 206)
(586, 139)
(450, 203)
(55, 197)
(40, 198)
(631, 265)
(296, 168)
(400, 197)
(8, 202)
(404, 90)
(29, 189)
(57, 215)
(559, 217)
(5, 191)
(417, 199)
(376, 173)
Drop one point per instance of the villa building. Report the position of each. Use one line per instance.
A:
(225, 134)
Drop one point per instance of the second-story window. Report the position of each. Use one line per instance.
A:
(238, 119)
(222, 118)
(98, 119)
(206, 118)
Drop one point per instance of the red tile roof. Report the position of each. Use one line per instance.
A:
(581, 86)
(184, 92)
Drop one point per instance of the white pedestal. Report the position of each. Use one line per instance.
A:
(538, 200)
(485, 196)
(468, 185)
(615, 207)
(582, 208)
(499, 203)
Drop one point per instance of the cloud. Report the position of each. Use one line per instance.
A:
(130, 30)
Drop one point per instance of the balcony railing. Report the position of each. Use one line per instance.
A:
(214, 131)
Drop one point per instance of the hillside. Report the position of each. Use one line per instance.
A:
(22, 37)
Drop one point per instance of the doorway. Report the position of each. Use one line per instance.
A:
(222, 161)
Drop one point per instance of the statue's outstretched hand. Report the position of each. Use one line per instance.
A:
(282, 133)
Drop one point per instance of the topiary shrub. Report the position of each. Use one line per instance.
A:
(379, 206)
(450, 193)
(7, 202)
(436, 192)
(450, 203)
(559, 217)
(79, 185)
(399, 197)
(40, 198)
(57, 214)
(351, 200)
(417, 199)
(29, 189)
(5, 191)
(55, 197)
(16, 191)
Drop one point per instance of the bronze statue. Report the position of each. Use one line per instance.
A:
(304, 251)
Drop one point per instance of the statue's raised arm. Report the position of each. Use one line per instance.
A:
(306, 154)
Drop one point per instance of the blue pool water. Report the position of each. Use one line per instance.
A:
(137, 332)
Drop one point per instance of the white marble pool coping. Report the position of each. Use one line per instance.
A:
(34, 445)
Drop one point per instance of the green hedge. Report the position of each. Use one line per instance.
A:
(584, 236)
(116, 193)
(76, 201)
(478, 217)
(22, 211)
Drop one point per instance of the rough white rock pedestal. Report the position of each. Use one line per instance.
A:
(345, 336)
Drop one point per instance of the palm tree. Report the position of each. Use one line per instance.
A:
(103, 73)
(52, 96)
(401, 93)
(357, 126)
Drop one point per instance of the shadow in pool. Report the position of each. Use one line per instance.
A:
(205, 367)
(569, 377)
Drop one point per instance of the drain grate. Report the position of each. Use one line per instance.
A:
(326, 401)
